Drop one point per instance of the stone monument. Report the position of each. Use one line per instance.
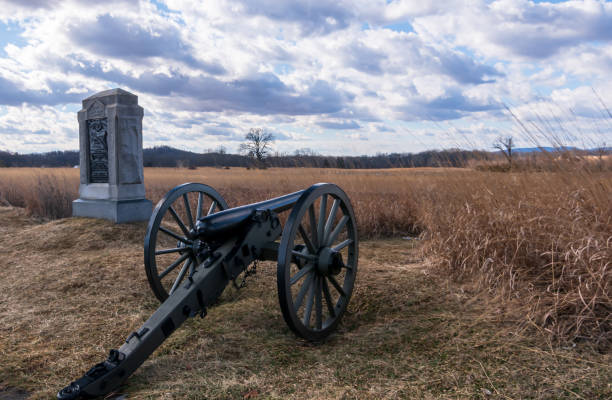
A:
(110, 137)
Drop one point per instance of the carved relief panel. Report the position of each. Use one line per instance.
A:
(98, 150)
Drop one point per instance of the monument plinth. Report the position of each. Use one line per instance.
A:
(110, 137)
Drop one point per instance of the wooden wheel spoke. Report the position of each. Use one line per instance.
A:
(322, 211)
(180, 276)
(199, 207)
(168, 251)
(302, 292)
(211, 210)
(342, 245)
(318, 305)
(328, 299)
(300, 274)
(332, 237)
(174, 235)
(307, 241)
(173, 265)
(308, 257)
(337, 286)
(188, 210)
(330, 219)
(178, 221)
(310, 301)
(313, 228)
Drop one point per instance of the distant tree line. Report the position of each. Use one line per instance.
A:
(50, 159)
(165, 156)
(431, 158)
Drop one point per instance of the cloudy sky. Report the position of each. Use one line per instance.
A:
(338, 77)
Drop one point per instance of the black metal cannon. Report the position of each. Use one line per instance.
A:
(195, 246)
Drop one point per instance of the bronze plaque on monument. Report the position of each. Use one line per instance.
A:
(98, 150)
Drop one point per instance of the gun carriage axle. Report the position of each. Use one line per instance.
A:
(195, 245)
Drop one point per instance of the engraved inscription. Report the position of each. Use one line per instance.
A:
(98, 150)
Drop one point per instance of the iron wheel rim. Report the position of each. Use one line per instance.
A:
(164, 211)
(303, 308)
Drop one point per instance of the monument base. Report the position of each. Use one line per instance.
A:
(117, 211)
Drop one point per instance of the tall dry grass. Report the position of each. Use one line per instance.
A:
(383, 199)
(43, 193)
(539, 242)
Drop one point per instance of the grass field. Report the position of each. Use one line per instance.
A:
(381, 198)
(507, 293)
(538, 241)
(71, 289)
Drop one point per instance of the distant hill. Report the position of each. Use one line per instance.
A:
(166, 156)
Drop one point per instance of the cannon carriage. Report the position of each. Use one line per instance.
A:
(195, 245)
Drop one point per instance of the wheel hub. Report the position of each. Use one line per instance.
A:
(183, 246)
(329, 261)
(196, 247)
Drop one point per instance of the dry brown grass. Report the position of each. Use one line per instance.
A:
(70, 289)
(556, 160)
(46, 193)
(539, 242)
(382, 198)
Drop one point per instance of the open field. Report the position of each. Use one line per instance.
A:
(508, 291)
(70, 289)
(381, 198)
(539, 243)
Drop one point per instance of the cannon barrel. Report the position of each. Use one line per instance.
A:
(223, 223)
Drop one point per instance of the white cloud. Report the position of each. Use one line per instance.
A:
(315, 70)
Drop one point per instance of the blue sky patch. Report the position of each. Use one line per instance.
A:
(400, 27)
(283, 69)
(10, 32)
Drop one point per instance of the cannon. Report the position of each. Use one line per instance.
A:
(195, 246)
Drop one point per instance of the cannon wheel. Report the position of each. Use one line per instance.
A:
(170, 246)
(317, 261)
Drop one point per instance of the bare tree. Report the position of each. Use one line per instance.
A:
(505, 145)
(258, 144)
(601, 151)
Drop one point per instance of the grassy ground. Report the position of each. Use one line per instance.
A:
(382, 199)
(71, 289)
(537, 239)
